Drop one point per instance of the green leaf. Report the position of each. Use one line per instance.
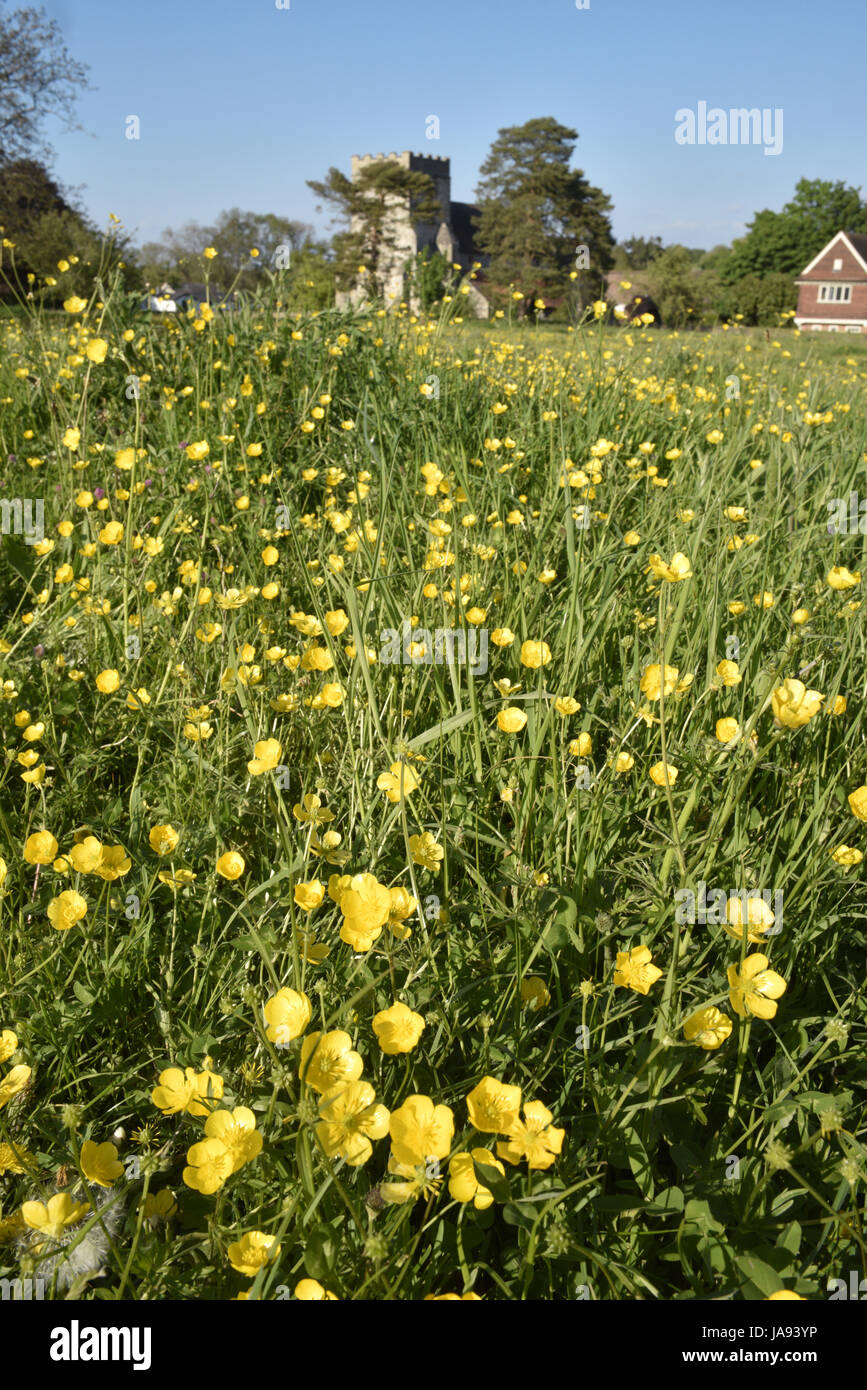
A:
(760, 1275)
(319, 1252)
(628, 1151)
(83, 994)
(669, 1199)
(617, 1204)
(20, 556)
(780, 1113)
(514, 1216)
(790, 1239)
(244, 943)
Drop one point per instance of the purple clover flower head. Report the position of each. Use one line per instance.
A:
(38, 652)
(183, 444)
(98, 492)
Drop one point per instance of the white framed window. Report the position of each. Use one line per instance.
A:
(838, 263)
(853, 328)
(835, 294)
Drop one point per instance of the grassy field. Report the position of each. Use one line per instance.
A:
(279, 892)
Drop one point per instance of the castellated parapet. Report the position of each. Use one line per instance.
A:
(436, 166)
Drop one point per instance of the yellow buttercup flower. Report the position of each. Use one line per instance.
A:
(231, 865)
(846, 856)
(209, 1164)
(310, 1290)
(351, 1118)
(312, 811)
(535, 654)
(534, 1138)
(421, 1130)
(266, 756)
(753, 988)
(662, 772)
(67, 909)
(309, 895)
(566, 705)
(398, 782)
(426, 851)
(237, 1132)
(841, 578)
(493, 1105)
(13, 1082)
(794, 705)
(51, 1219)
(100, 1163)
(759, 919)
(420, 1180)
(678, 569)
(729, 673)
(287, 1014)
(252, 1252)
(397, 1029)
(328, 1059)
(40, 848)
(857, 804)
(635, 971)
(366, 906)
(190, 1091)
(707, 1028)
(86, 855)
(163, 839)
(534, 993)
(511, 720)
(654, 685)
(108, 681)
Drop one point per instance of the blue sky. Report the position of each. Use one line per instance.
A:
(240, 103)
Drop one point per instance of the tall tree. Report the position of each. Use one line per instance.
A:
(376, 207)
(38, 79)
(233, 234)
(784, 242)
(536, 214)
(46, 228)
(636, 252)
(758, 299)
(685, 294)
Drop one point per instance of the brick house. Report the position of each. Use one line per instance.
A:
(832, 290)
